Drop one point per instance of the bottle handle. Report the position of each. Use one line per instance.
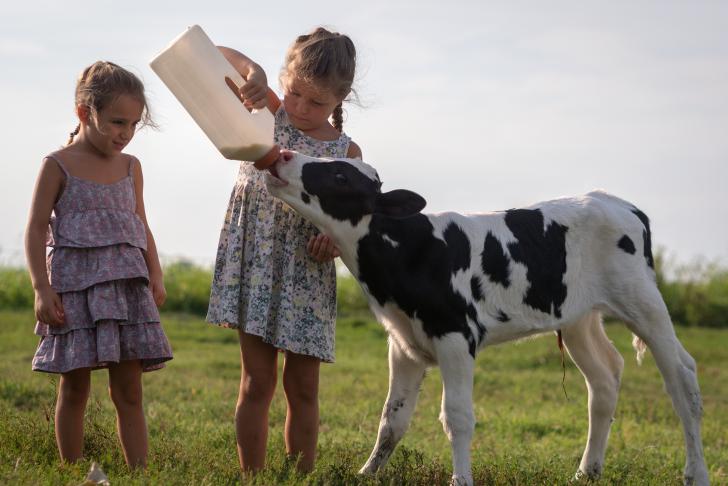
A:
(236, 90)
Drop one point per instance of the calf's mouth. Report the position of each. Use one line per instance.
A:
(273, 178)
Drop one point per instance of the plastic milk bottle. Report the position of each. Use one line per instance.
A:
(208, 87)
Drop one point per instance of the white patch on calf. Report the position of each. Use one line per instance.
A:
(408, 332)
(389, 240)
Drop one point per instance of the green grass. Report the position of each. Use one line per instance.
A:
(527, 431)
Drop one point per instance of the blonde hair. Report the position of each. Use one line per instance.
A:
(326, 59)
(103, 82)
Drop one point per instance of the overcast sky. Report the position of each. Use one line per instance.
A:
(477, 106)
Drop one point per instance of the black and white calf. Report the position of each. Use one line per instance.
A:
(446, 285)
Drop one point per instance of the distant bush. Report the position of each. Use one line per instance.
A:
(350, 299)
(188, 287)
(187, 284)
(696, 294)
(16, 291)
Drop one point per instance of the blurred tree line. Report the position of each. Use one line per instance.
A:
(696, 293)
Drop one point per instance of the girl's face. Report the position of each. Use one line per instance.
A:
(308, 106)
(114, 126)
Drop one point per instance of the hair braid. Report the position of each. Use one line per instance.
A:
(73, 134)
(338, 118)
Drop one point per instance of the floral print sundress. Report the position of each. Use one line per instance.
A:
(265, 282)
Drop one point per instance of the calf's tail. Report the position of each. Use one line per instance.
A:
(640, 346)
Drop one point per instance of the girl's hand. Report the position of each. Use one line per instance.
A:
(159, 293)
(255, 90)
(49, 308)
(322, 249)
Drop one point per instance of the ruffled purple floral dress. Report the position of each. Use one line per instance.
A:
(97, 268)
(265, 282)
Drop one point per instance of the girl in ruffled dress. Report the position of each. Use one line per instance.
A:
(97, 292)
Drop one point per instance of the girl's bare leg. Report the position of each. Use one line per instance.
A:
(301, 382)
(125, 388)
(257, 385)
(73, 392)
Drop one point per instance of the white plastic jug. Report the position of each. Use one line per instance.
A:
(207, 85)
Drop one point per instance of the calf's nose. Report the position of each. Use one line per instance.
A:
(286, 155)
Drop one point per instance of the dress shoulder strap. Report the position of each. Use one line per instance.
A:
(58, 161)
(133, 162)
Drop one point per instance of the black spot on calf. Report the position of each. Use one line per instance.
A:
(503, 317)
(626, 244)
(343, 191)
(476, 289)
(543, 252)
(458, 246)
(416, 275)
(494, 261)
(646, 237)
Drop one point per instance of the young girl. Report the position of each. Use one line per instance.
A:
(96, 303)
(275, 280)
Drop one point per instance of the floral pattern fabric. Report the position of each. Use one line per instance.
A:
(97, 268)
(265, 282)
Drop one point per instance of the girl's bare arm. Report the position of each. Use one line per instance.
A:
(47, 188)
(156, 278)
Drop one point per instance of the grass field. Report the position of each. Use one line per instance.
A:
(527, 431)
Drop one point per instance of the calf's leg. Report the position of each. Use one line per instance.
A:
(456, 366)
(649, 320)
(405, 377)
(601, 364)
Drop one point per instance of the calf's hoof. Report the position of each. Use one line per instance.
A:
(458, 480)
(592, 473)
(698, 479)
(368, 470)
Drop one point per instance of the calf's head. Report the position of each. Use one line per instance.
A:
(336, 194)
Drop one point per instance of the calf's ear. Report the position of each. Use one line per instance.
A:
(399, 203)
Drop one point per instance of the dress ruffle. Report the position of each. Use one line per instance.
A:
(82, 194)
(101, 227)
(109, 342)
(129, 302)
(73, 269)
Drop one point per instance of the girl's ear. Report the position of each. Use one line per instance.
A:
(83, 113)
